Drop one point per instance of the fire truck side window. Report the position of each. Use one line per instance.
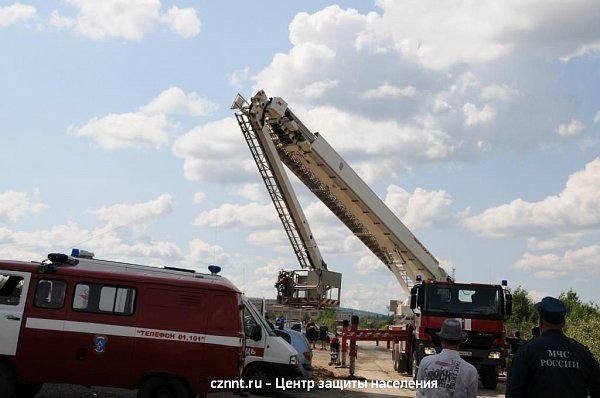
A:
(104, 299)
(50, 294)
(10, 289)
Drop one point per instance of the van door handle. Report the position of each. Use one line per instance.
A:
(13, 317)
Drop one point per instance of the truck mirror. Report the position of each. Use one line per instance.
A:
(413, 297)
(256, 334)
(508, 304)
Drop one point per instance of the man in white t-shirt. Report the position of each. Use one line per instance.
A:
(456, 378)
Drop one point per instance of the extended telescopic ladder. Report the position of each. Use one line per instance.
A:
(310, 157)
(314, 285)
(266, 173)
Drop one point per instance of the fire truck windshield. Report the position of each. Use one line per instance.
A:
(463, 301)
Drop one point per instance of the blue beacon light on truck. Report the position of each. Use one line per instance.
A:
(78, 253)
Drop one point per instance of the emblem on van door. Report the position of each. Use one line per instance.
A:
(100, 343)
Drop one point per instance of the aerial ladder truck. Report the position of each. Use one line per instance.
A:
(277, 137)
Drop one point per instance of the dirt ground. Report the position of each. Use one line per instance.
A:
(373, 363)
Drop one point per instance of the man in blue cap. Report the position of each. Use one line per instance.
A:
(454, 376)
(553, 365)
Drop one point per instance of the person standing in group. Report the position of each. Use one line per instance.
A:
(455, 377)
(323, 329)
(311, 333)
(269, 322)
(334, 349)
(553, 365)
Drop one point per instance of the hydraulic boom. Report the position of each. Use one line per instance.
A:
(310, 157)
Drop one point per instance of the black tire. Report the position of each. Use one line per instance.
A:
(395, 359)
(8, 382)
(408, 364)
(414, 365)
(489, 378)
(263, 373)
(163, 387)
(28, 390)
(403, 364)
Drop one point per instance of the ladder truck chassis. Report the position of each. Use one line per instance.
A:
(434, 295)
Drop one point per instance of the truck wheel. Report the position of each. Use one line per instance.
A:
(408, 364)
(415, 365)
(28, 390)
(403, 364)
(261, 374)
(489, 378)
(163, 387)
(8, 382)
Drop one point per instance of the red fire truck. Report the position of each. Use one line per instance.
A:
(277, 137)
(481, 308)
(160, 330)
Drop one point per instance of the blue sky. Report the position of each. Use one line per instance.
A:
(118, 138)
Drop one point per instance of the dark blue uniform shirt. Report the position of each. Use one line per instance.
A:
(553, 365)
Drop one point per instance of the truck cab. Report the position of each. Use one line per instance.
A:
(481, 309)
(268, 356)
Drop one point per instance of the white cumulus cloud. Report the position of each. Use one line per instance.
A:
(435, 36)
(147, 127)
(125, 213)
(584, 260)
(475, 116)
(127, 19)
(576, 207)
(215, 151)
(228, 215)
(183, 21)
(387, 90)
(421, 208)
(16, 12)
(571, 129)
(251, 191)
(14, 205)
(133, 129)
(368, 264)
(395, 51)
(175, 101)
(317, 89)
(501, 92)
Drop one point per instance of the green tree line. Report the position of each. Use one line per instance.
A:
(582, 321)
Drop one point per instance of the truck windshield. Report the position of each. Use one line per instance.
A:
(464, 301)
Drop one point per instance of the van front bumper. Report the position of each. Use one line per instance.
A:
(287, 371)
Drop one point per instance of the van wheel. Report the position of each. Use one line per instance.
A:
(261, 374)
(28, 390)
(163, 387)
(8, 382)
